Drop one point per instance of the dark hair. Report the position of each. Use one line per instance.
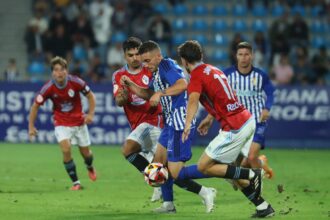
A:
(191, 51)
(131, 43)
(148, 46)
(245, 45)
(58, 60)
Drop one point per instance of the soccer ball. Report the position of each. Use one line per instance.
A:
(155, 174)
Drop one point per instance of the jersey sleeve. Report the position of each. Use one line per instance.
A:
(81, 85)
(116, 83)
(43, 94)
(170, 72)
(269, 89)
(195, 84)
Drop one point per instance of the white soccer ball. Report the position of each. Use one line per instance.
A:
(155, 174)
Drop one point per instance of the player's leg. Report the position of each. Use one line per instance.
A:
(63, 135)
(82, 139)
(178, 154)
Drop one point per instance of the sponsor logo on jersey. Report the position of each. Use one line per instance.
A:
(71, 93)
(40, 98)
(145, 80)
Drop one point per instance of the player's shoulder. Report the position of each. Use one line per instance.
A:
(118, 73)
(229, 70)
(260, 71)
(48, 85)
(76, 80)
(168, 64)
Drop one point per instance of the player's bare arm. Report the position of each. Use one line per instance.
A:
(264, 115)
(122, 96)
(32, 118)
(205, 125)
(177, 88)
(91, 108)
(192, 108)
(139, 91)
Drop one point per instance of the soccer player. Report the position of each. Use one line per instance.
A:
(250, 84)
(70, 122)
(146, 121)
(168, 87)
(210, 86)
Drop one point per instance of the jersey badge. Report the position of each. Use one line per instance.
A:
(145, 80)
(71, 93)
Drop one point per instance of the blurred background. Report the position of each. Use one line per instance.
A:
(290, 38)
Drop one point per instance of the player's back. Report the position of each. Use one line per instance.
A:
(137, 109)
(218, 97)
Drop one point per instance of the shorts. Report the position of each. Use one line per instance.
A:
(78, 135)
(176, 149)
(259, 134)
(225, 147)
(146, 135)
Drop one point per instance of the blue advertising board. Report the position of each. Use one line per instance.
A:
(299, 118)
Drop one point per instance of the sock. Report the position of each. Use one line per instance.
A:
(71, 170)
(250, 194)
(234, 172)
(138, 161)
(188, 185)
(167, 190)
(191, 172)
(89, 162)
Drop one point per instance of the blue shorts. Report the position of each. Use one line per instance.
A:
(259, 134)
(172, 140)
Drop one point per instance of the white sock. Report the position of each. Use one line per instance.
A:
(168, 204)
(203, 191)
(251, 174)
(262, 206)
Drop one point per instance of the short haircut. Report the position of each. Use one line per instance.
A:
(245, 45)
(58, 60)
(191, 51)
(148, 46)
(131, 43)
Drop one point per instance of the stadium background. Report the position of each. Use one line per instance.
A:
(290, 38)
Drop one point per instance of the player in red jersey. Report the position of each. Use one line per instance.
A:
(210, 86)
(145, 121)
(69, 120)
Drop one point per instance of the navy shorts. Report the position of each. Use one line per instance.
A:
(259, 134)
(172, 140)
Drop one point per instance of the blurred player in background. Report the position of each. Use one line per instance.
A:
(145, 120)
(250, 84)
(210, 86)
(69, 120)
(168, 87)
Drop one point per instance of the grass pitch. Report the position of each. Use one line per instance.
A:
(34, 185)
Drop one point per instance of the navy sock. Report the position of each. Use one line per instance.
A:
(234, 172)
(191, 172)
(188, 185)
(167, 190)
(250, 194)
(138, 161)
(89, 162)
(70, 168)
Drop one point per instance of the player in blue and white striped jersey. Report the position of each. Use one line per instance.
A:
(256, 92)
(169, 87)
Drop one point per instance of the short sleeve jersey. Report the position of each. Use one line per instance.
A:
(217, 96)
(137, 109)
(67, 107)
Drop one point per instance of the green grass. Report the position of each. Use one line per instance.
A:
(34, 185)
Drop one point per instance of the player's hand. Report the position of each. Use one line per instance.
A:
(185, 133)
(264, 115)
(204, 126)
(125, 81)
(155, 99)
(32, 133)
(89, 119)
